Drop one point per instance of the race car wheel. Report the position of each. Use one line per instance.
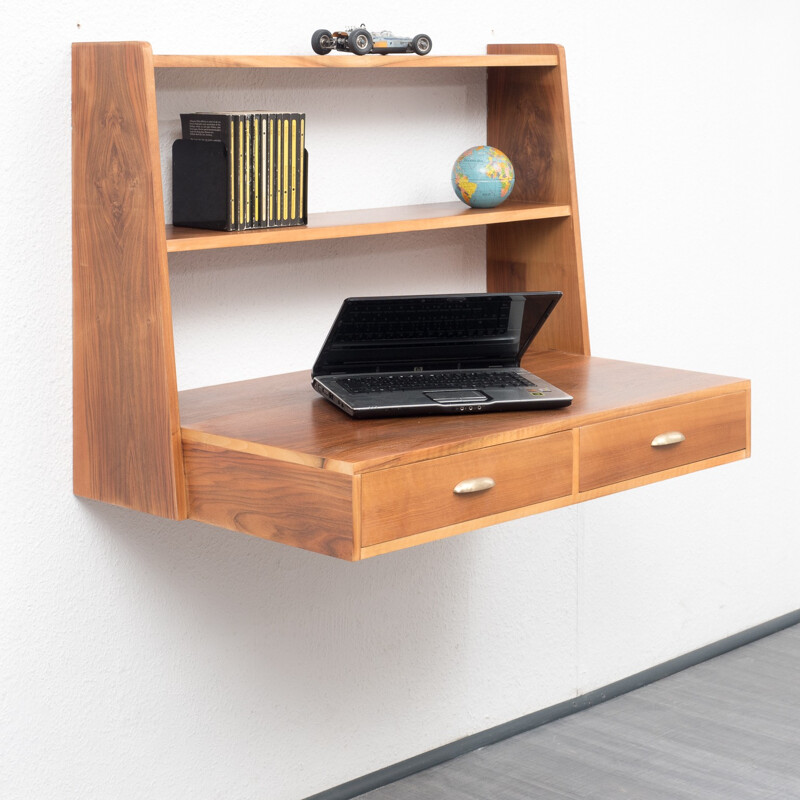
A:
(421, 44)
(360, 41)
(322, 42)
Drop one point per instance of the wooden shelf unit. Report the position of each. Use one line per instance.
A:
(271, 458)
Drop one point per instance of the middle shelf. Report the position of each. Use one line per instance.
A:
(365, 222)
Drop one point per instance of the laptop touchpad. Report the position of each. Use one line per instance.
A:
(457, 396)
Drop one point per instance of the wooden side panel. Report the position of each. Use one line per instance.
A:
(126, 427)
(289, 503)
(528, 119)
(536, 256)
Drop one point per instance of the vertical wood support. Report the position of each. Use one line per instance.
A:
(528, 119)
(127, 445)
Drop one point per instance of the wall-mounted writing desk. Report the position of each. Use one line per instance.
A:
(271, 458)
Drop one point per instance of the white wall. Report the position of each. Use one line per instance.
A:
(143, 658)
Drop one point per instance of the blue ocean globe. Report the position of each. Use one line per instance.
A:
(483, 177)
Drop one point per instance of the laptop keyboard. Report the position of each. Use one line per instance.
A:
(431, 381)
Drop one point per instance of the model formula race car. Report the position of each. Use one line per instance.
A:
(361, 41)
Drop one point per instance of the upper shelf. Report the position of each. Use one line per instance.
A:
(344, 61)
(365, 222)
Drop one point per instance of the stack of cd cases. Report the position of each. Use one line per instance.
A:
(238, 171)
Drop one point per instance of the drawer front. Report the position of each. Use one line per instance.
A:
(627, 448)
(401, 501)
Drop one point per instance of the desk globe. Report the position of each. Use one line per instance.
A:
(483, 177)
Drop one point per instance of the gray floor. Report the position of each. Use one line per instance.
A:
(727, 729)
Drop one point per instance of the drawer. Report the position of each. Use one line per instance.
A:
(401, 501)
(627, 448)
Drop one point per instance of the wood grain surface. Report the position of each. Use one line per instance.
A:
(349, 61)
(525, 473)
(288, 503)
(283, 415)
(366, 222)
(622, 449)
(127, 447)
(528, 118)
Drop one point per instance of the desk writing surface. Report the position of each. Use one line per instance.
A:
(283, 415)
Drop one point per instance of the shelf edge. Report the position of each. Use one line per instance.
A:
(334, 61)
(364, 223)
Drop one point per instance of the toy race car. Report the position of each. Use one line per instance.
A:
(361, 41)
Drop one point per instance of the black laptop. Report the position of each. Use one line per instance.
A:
(435, 354)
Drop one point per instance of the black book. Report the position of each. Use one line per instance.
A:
(216, 127)
(200, 185)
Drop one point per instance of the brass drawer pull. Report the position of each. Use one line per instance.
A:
(473, 485)
(663, 439)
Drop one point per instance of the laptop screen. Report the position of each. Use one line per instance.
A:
(422, 332)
